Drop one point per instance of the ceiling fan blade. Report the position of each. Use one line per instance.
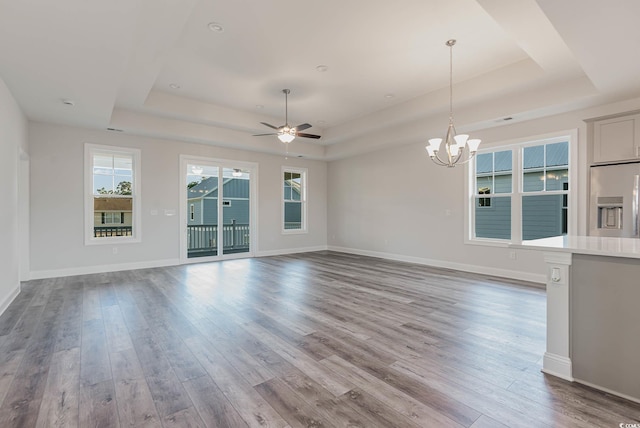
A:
(302, 134)
(262, 135)
(269, 125)
(303, 126)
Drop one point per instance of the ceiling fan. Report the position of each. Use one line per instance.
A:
(285, 133)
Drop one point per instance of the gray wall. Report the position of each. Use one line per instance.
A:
(57, 154)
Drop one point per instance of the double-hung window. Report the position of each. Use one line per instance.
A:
(521, 191)
(294, 200)
(112, 200)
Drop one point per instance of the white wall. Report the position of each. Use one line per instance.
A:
(396, 203)
(57, 242)
(13, 140)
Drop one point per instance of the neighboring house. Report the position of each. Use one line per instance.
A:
(113, 214)
(292, 202)
(542, 215)
(202, 202)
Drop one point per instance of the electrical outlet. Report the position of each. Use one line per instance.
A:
(513, 255)
(115, 250)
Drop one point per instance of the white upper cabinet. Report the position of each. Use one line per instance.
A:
(616, 139)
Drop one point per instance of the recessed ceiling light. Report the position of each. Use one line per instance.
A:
(259, 106)
(174, 86)
(68, 102)
(216, 27)
(389, 96)
(322, 68)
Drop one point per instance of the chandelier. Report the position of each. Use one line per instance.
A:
(454, 144)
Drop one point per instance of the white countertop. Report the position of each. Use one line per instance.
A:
(594, 245)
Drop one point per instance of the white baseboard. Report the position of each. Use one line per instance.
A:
(484, 270)
(609, 391)
(558, 366)
(86, 270)
(268, 253)
(524, 276)
(9, 299)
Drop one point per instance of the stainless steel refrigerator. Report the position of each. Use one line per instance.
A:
(613, 206)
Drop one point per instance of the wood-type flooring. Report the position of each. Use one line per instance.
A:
(310, 340)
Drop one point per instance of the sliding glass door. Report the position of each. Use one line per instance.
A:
(217, 209)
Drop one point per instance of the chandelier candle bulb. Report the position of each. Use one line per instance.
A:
(473, 144)
(435, 143)
(461, 139)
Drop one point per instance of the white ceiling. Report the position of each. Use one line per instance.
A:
(118, 59)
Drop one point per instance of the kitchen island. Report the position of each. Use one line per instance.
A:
(593, 311)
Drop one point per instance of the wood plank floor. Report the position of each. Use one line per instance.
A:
(312, 340)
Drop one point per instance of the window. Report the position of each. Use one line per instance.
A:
(529, 188)
(545, 183)
(192, 212)
(294, 205)
(112, 201)
(494, 174)
(113, 218)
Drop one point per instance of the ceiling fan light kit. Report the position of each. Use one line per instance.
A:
(454, 144)
(286, 133)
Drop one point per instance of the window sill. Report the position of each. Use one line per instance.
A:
(110, 240)
(294, 232)
(488, 242)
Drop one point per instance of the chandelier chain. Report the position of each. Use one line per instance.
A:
(451, 43)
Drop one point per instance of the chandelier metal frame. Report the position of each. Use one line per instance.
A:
(454, 144)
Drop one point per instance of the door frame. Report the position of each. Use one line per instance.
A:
(253, 205)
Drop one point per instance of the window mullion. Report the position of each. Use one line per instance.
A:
(516, 200)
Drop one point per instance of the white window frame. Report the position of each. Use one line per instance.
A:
(303, 199)
(90, 150)
(517, 148)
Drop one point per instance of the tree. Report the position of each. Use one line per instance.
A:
(123, 188)
(103, 191)
(192, 184)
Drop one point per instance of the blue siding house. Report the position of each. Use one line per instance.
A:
(202, 216)
(202, 202)
(545, 169)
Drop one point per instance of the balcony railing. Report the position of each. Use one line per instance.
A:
(202, 240)
(105, 231)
